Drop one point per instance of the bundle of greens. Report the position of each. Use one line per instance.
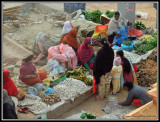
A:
(139, 25)
(93, 16)
(88, 116)
(142, 48)
(127, 43)
(109, 13)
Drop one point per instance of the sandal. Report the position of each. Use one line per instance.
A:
(24, 110)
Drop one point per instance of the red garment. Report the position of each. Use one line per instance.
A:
(137, 102)
(94, 85)
(84, 53)
(32, 81)
(135, 68)
(26, 69)
(127, 76)
(8, 84)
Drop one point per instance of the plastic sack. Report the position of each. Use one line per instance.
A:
(39, 86)
(48, 91)
(116, 47)
(127, 48)
(55, 67)
(133, 31)
(32, 90)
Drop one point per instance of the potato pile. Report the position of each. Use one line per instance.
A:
(51, 99)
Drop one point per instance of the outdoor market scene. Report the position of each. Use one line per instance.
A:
(80, 61)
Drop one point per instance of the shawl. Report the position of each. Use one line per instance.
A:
(115, 25)
(26, 69)
(8, 84)
(67, 27)
(103, 62)
(7, 98)
(71, 39)
(84, 53)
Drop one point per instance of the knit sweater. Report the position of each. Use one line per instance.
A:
(137, 92)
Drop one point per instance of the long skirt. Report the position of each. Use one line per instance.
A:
(33, 81)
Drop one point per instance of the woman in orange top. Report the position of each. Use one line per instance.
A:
(71, 39)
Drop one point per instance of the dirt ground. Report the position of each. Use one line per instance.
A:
(28, 34)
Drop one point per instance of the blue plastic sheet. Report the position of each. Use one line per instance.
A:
(127, 48)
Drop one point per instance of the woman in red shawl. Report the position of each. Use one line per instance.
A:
(28, 73)
(8, 84)
(86, 54)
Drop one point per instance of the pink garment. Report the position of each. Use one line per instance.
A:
(84, 53)
(64, 54)
(26, 69)
(128, 76)
(117, 61)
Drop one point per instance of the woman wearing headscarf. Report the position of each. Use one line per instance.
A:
(8, 84)
(28, 73)
(8, 107)
(85, 53)
(128, 70)
(117, 27)
(102, 66)
(69, 35)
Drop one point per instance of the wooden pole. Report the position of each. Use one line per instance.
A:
(11, 12)
(15, 22)
(16, 15)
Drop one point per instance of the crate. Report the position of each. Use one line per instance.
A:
(71, 7)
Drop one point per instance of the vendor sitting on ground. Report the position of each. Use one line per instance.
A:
(69, 35)
(86, 54)
(8, 84)
(28, 73)
(137, 95)
(115, 24)
(9, 111)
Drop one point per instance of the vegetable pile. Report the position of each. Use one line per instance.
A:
(139, 25)
(127, 43)
(143, 47)
(92, 16)
(109, 13)
(51, 99)
(147, 74)
(88, 116)
(80, 74)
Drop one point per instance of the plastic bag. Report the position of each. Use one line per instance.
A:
(32, 90)
(55, 67)
(48, 91)
(94, 86)
(39, 86)
(127, 48)
(42, 116)
(133, 31)
(116, 47)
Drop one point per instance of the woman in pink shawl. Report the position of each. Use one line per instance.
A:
(86, 54)
(28, 73)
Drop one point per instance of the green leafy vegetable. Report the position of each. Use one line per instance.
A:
(93, 16)
(88, 116)
(127, 43)
(139, 25)
(109, 13)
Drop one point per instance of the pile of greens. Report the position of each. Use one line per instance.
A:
(92, 16)
(109, 13)
(142, 48)
(127, 43)
(139, 25)
(88, 116)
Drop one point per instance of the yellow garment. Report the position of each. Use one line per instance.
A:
(116, 72)
(104, 86)
(135, 79)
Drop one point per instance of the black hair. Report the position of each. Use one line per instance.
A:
(90, 33)
(28, 58)
(128, 84)
(117, 13)
(126, 63)
(104, 42)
